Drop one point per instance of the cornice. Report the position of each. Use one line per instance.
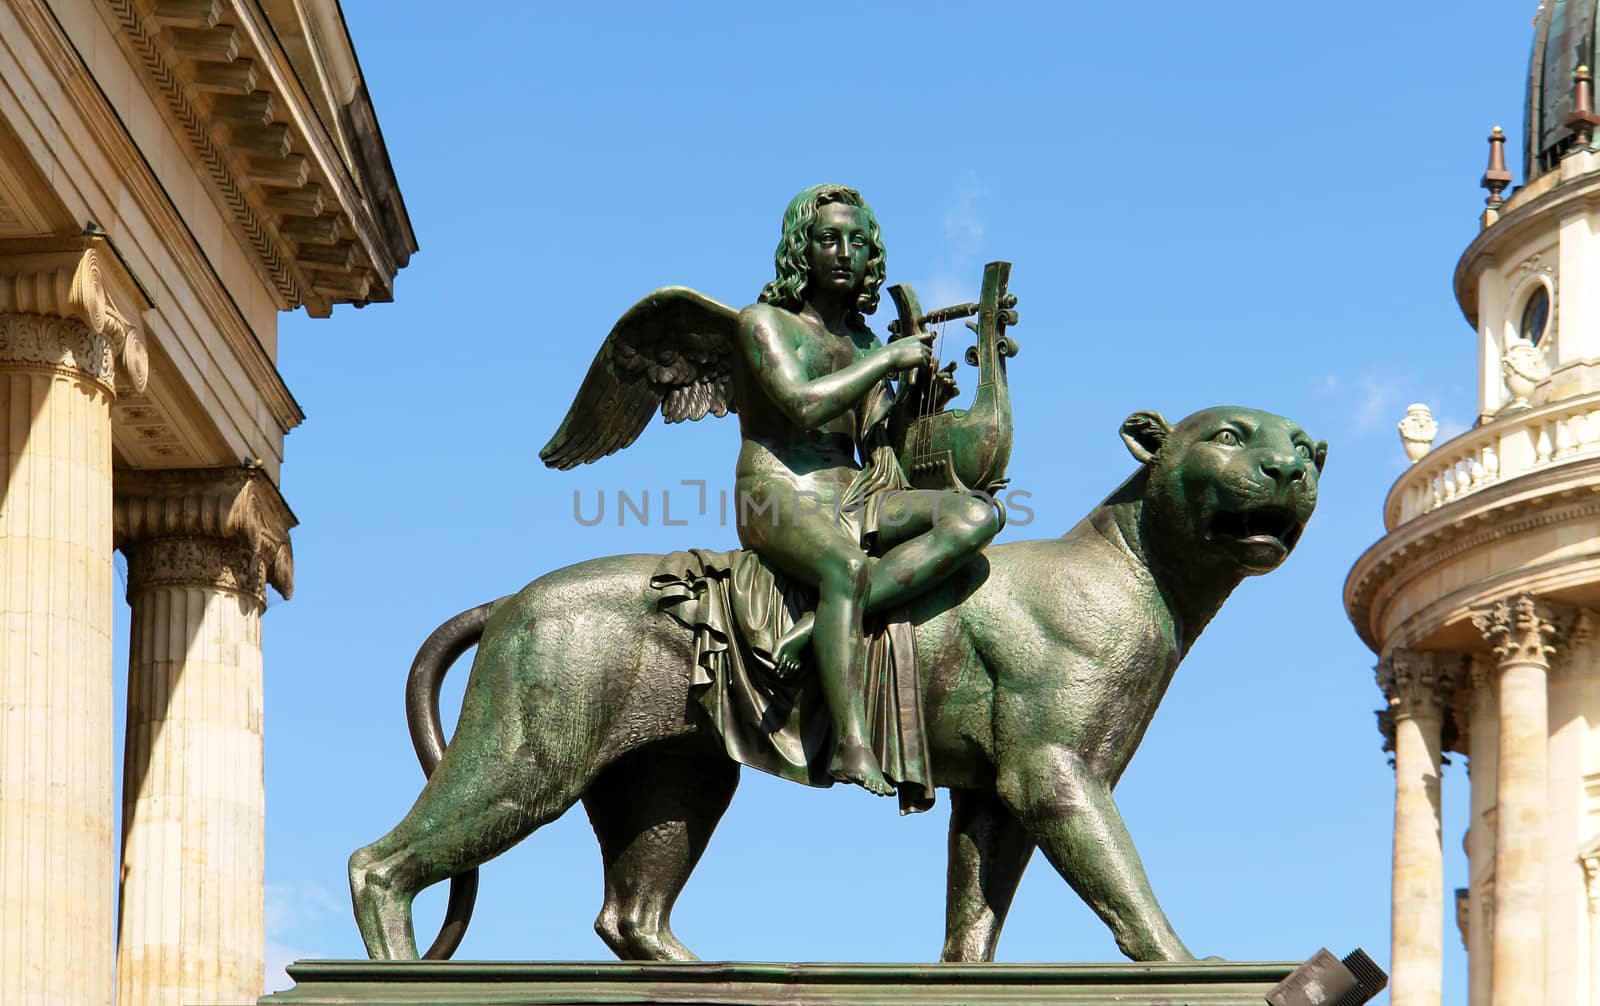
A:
(221, 77)
(1561, 491)
(239, 505)
(1527, 218)
(80, 94)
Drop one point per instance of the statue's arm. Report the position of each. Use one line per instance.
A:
(808, 404)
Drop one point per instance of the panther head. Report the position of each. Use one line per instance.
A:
(1228, 490)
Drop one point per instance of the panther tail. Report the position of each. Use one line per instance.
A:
(448, 642)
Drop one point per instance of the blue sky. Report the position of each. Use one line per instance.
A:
(1205, 203)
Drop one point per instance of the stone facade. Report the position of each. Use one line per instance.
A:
(173, 174)
(1490, 568)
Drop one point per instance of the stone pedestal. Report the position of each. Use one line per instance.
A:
(493, 983)
(1521, 635)
(66, 340)
(201, 546)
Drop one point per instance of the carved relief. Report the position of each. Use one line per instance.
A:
(59, 344)
(1591, 878)
(1417, 431)
(1535, 263)
(1417, 681)
(1524, 368)
(231, 505)
(1521, 629)
(1578, 657)
(82, 283)
(215, 563)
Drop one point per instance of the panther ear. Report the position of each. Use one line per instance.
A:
(1144, 433)
(1320, 455)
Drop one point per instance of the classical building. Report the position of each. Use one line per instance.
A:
(173, 174)
(1482, 600)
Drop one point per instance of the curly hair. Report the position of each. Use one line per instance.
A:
(788, 289)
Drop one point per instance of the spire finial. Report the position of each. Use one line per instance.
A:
(1582, 120)
(1497, 177)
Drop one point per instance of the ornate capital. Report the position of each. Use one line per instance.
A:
(185, 561)
(1578, 656)
(1386, 729)
(238, 508)
(1481, 675)
(71, 305)
(1522, 629)
(1419, 681)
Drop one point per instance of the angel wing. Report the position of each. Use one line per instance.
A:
(672, 351)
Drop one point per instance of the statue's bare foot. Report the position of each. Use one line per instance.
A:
(786, 655)
(855, 762)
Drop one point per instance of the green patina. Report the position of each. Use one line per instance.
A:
(1037, 665)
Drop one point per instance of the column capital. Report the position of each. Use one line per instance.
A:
(1386, 729)
(225, 527)
(1481, 674)
(69, 304)
(1578, 655)
(1521, 629)
(1419, 681)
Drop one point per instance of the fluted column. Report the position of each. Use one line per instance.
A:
(1484, 726)
(67, 339)
(1417, 686)
(201, 547)
(1522, 636)
(1591, 862)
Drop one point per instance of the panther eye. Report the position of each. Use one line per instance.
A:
(1304, 450)
(1226, 438)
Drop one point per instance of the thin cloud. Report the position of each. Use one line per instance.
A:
(955, 279)
(293, 910)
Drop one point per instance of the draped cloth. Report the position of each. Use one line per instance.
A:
(738, 608)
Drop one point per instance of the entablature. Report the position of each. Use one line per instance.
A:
(324, 226)
(1538, 533)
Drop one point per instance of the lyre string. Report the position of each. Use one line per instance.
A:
(925, 408)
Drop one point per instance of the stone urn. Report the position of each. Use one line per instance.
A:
(1417, 431)
(1524, 367)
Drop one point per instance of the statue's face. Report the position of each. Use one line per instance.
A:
(836, 258)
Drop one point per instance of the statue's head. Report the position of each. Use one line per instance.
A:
(1228, 489)
(791, 260)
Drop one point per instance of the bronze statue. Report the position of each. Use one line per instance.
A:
(809, 381)
(1019, 677)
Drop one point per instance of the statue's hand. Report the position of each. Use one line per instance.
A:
(910, 353)
(945, 387)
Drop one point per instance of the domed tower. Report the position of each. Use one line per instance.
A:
(1480, 599)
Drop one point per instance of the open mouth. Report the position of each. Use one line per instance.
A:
(1276, 525)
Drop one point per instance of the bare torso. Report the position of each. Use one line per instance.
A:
(777, 457)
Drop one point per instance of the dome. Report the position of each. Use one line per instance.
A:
(1563, 40)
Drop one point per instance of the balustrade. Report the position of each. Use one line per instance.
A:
(1501, 449)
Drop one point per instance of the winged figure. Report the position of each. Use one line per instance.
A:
(672, 352)
(822, 495)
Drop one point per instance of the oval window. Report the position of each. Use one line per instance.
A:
(1535, 315)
